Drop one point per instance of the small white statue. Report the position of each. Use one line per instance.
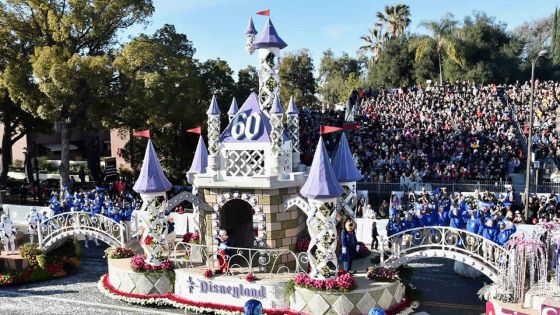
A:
(33, 219)
(8, 234)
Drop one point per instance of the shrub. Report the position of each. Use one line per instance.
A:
(382, 274)
(139, 264)
(119, 252)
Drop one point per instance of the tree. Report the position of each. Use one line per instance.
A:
(216, 75)
(247, 82)
(394, 68)
(490, 53)
(161, 88)
(535, 36)
(555, 42)
(71, 65)
(396, 18)
(333, 74)
(443, 38)
(374, 42)
(296, 78)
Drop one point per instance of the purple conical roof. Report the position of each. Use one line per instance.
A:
(292, 107)
(251, 27)
(276, 105)
(321, 182)
(263, 129)
(200, 160)
(151, 179)
(233, 108)
(269, 37)
(213, 109)
(343, 164)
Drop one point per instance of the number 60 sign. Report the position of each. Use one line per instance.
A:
(246, 126)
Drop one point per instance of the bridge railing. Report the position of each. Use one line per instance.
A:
(81, 221)
(444, 239)
(240, 260)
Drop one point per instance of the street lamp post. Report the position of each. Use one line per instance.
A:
(530, 136)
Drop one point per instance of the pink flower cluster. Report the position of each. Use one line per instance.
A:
(250, 277)
(138, 264)
(190, 237)
(343, 282)
(303, 244)
(382, 274)
(208, 273)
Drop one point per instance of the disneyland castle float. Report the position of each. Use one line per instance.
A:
(252, 201)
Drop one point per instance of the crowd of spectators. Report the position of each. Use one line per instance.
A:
(438, 133)
(545, 133)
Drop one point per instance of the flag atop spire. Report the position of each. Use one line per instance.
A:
(321, 182)
(151, 178)
(343, 164)
(200, 160)
(213, 109)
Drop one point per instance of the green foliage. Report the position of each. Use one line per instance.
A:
(334, 72)
(290, 288)
(395, 18)
(394, 68)
(296, 78)
(18, 164)
(247, 82)
(490, 53)
(555, 38)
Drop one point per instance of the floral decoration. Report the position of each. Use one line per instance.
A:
(344, 282)
(139, 264)
(208, 273)
(191, 237)
(118, 252)
(250, 277)
(382, 274)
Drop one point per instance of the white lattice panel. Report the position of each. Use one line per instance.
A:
(293, 131)
(245, 162)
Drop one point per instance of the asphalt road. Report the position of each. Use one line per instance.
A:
(76, 294)
(443, 292)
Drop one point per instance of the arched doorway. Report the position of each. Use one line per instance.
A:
(236, 217)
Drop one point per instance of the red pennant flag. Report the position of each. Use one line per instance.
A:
(329, 129)
(350, 126)
(197, 130)
(143, 133)
(265, 12)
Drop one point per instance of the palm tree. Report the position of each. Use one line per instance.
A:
(396, 18)
(374, 42)
(443, 38)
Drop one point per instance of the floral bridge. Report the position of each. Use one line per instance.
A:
(53, 231)
(445, 242)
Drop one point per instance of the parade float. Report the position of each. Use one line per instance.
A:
(252, 202)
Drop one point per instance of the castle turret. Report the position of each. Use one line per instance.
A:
(250, 35)
(213, 134)
(293, 131)
(322, 190)
(198, 166)
(233, 109)
(347, 175)
(277, 134)
(152, 185)
(268, 45)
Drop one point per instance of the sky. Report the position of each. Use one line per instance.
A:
(217, 27)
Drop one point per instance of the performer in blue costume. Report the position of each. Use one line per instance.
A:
(349, 245)
(253, 307)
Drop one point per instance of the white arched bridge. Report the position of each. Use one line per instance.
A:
(445, 242)
(56, 229)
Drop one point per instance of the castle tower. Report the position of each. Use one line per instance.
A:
(268, 45)
(213, 113)
(322, 190)
(250, 35)
(152, 186)
(198, 166)
(293, 131)
(277, 134)
(347, 175)
(232, 109)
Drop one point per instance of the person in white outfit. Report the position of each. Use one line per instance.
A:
(33, 219)
(8, 234)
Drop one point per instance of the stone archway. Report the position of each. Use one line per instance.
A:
(236, 217)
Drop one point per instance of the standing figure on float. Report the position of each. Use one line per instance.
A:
(33, 219)
(8, 234)
(349, 245)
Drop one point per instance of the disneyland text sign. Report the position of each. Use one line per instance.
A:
(235, 290)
